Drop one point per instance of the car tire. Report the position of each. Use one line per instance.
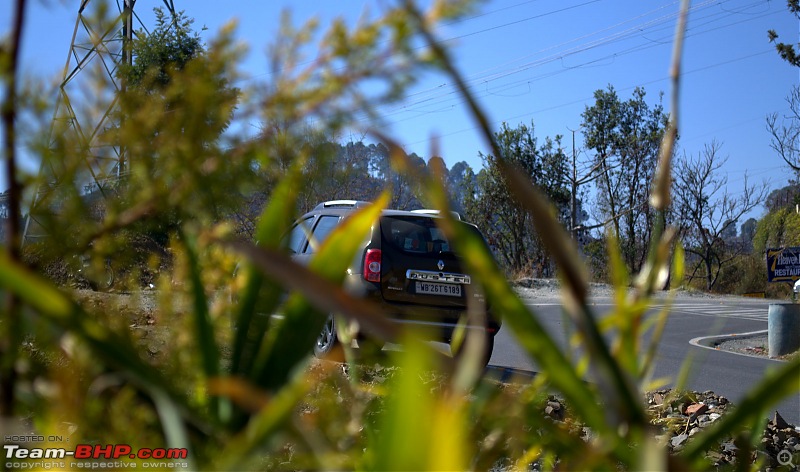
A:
(108, 277)
(327, 339)
(488, 349)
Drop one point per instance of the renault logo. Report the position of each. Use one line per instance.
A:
(440, 265)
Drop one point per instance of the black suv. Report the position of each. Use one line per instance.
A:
(407, 266)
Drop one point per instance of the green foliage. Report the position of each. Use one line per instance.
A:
(743, 276)
(780, 228)
(597, 260)
(787, 50)
(237, 388)
(509, 229)
(625, 138)
(158, 55)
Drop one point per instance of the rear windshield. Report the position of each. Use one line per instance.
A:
(415, 235)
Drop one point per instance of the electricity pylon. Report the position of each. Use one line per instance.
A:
(97, 46)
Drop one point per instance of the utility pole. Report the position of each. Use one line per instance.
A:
(573, 216)
(575, 183)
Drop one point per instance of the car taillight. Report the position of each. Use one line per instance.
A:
(372, 265)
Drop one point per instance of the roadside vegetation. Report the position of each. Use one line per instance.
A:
(199, 213)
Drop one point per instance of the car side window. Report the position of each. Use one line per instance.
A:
(324, 227)
(298, 235)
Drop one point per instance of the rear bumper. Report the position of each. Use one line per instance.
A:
(434, 322)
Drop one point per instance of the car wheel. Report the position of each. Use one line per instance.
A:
(487, 348)
(327, 338)
(109, 277)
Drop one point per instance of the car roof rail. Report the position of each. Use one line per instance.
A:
(426, 211)
(341, 204)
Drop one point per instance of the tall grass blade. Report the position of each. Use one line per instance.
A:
(259, 295)
(241, 451)
(292, 337)
(552, 233)
(528, 331)
(678, 269)
(621, 391)
(625, 392)
(319, 292)
(626, 316)
(420, 430)
(172, 424)
(204, 326)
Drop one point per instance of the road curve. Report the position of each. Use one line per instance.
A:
(723, 372)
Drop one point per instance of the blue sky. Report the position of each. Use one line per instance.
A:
(539, 61)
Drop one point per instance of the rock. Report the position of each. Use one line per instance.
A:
(729, 447)
(704, 421)
(679, 440)
(657, 399)
(695, 410)
(779, 422)
(554, 410)
(687, 414)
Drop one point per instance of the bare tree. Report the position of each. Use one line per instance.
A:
(706, 210)
(785, 131)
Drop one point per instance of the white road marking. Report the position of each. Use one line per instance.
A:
(721, 311)
(707, 342)
(759, 313)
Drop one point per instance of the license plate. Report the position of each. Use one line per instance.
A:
(452, 290)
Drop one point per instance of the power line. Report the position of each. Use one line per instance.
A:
(442, 99)
(523, 20)
(585, 99)
(451, 23)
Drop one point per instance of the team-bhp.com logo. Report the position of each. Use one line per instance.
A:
(87, 452)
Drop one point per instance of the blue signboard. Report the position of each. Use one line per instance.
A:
(783, 264)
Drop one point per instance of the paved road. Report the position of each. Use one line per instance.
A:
(725, 373)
